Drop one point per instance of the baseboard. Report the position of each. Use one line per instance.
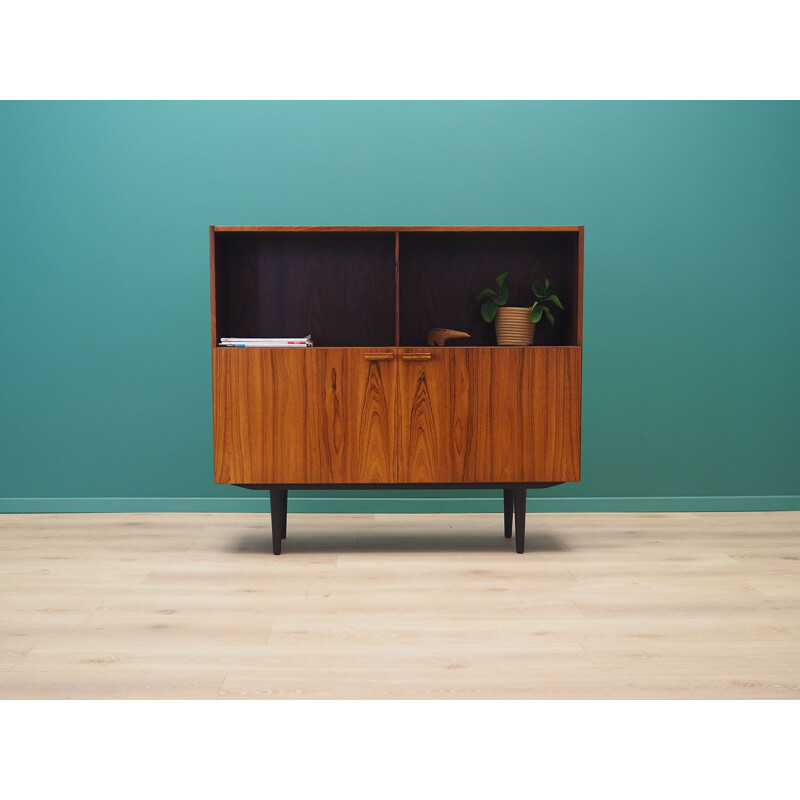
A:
(377, 504)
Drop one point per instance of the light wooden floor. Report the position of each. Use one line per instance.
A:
(400, 606)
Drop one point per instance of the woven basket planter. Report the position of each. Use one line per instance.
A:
(513, 326)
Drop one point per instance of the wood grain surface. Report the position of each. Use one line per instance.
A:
(501, 414)
(391, 229)
(614, 606)
(306, 415)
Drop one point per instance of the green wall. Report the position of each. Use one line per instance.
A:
(692, 282)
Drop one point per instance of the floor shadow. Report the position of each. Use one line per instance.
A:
(389, 542)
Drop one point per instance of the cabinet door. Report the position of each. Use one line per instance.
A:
(310, 415)
(489, 415)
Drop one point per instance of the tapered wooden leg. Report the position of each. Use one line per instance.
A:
(508, 511)
(284, 507)
(520, 496)
(277, 506)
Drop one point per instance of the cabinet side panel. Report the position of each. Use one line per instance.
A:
(212, 253)
(579, 292)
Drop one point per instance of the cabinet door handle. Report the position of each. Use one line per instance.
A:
(416, 356)
(379, 356)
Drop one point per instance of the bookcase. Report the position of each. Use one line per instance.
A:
(371, 404)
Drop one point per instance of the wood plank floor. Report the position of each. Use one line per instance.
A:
(400, 606)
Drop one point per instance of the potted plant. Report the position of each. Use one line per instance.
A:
(515, 325)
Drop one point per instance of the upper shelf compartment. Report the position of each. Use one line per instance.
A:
(441, 272)
(337, 286)
(352, 287)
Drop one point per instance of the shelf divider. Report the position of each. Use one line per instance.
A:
(397, 288)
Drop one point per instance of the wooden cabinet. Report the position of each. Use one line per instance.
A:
(370, 404)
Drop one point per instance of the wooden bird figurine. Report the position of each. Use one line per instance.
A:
(439, 337)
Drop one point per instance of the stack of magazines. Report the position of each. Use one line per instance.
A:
(227, 341)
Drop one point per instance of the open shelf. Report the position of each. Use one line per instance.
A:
(387, 287)
(339, 287)
(440, 274)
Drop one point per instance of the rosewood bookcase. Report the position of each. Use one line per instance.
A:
(370, 405)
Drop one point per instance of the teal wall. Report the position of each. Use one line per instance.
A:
(692, 282)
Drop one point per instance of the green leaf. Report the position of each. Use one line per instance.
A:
(546, 284)
(484, 293)
(536, 313)
(553, 299)
(502, 298)
(488, 311)
(549, 314)
(538, 287)
(501, 279)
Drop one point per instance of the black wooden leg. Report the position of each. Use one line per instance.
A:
(508, 510)
(520, 496)
(277, 505)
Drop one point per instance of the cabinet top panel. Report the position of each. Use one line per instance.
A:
(399, 229)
